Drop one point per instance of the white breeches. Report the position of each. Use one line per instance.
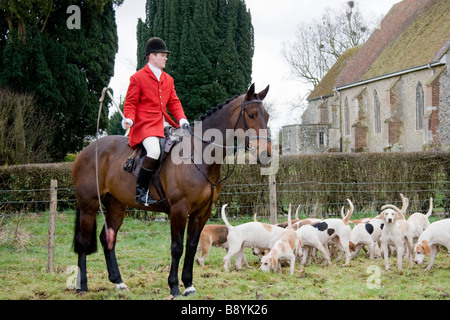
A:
(151, 145)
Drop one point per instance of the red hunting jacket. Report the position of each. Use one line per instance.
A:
(147, 101)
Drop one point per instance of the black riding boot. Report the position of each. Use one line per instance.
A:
(148, 167)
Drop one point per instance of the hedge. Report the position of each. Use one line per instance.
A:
(27, 187)
(320, 183)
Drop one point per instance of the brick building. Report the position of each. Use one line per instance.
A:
(390, 94)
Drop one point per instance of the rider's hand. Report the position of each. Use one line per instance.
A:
(127, 123)
(183, 122)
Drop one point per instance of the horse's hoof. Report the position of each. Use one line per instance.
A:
(175, 293)
(82, 292)
(122, 286)
(189, 291)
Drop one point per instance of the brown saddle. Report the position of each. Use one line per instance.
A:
(133, 163)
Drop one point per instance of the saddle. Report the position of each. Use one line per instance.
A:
(133, 163)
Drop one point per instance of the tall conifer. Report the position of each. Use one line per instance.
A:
(65, 69)
(211, 44)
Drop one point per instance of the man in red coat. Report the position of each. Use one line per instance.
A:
(150, 93)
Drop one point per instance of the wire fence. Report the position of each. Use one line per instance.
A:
(319, 183)
(326, 199)
(314, 198)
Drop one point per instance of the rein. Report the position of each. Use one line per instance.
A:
(246, 146)
(102, 98)
(244, 122)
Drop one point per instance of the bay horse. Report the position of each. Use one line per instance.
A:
(190, 189)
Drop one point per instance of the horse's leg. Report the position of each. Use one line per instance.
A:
(195, 227)
(177, 227)
(115, 212)
(85, 240)
(82, 276)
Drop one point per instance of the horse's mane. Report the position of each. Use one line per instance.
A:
(217, 107)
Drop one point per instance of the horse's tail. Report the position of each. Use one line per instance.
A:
(78, 245)
(224, 217)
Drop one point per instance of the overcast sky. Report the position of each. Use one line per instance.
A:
(274, 22)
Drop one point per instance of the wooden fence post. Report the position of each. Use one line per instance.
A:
(273, 198)
(51, 225)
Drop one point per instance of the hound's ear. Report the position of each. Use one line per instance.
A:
(274, 262)
(250, 92)
(426, 247)
(352, 246)
(263, 93)
(381, 215)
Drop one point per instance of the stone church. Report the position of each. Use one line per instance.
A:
(390, 94)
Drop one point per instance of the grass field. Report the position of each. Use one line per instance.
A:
(143, 253)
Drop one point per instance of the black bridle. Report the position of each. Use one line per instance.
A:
(247, 148)
(244, 123)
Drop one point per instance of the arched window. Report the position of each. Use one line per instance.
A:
(347, 118)
(420, 110)
(376, 112)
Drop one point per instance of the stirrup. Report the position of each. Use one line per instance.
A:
(147, 196)
(146, 199)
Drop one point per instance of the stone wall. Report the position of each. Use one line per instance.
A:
(442, 127)
(397, 117)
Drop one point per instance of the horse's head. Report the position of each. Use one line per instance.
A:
(253, 120)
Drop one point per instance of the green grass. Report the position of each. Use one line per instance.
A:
(143, 252)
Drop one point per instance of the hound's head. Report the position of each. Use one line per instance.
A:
(389, 216)
(421, 249)
(259, 252)
(267, 263)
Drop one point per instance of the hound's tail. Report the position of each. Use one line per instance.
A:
(289, 217)
(296, 212)
(396, 209)
(349, 212)
(405, 203)
(224, 217)
(430, 210)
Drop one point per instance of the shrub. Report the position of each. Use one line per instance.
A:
(320, 183)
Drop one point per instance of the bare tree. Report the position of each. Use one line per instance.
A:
(24, 130)
(318, 45)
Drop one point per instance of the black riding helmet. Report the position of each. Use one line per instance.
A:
(155, 45)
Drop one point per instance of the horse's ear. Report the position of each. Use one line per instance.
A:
(250, 92)
(263, 93)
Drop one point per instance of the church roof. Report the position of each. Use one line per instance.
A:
(413, 33)
(326, 85)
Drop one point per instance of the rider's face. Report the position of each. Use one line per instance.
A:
(158, 60)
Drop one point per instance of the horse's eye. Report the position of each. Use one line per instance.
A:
(251, 116)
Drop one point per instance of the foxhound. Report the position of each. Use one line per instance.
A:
(398, 232)
(286, 248)
(438, 233)
(250, 234)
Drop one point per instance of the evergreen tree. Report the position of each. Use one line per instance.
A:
(65, 69)
(115, 123)
(211, 44)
